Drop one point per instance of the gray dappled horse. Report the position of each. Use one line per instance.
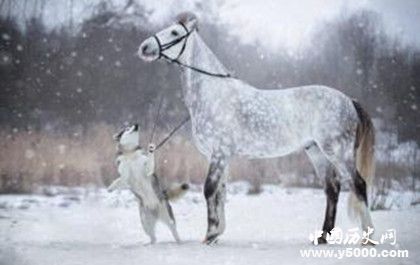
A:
(231, 118)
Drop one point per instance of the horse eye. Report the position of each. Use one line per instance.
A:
(174, 33)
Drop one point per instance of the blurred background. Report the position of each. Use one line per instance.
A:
(69, 78)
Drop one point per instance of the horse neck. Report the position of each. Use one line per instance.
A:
(197, 54)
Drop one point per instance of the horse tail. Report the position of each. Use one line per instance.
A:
(364, 154)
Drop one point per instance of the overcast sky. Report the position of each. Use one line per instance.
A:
(273, 23)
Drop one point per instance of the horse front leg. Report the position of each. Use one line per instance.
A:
(215, 194)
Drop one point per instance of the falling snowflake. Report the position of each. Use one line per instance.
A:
(100, 58)
(79, 90)
(359, 71)
(6, 58)
(62, 149)
(6, 36)
(29, 154)
(19, 47)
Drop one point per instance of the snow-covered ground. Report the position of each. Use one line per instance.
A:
(84, 226)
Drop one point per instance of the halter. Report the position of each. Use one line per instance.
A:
(166, 46)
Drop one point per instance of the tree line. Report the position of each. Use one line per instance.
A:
(63, 80)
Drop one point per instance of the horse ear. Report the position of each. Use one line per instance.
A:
(188, 19)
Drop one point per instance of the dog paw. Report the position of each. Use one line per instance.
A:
(151, 148)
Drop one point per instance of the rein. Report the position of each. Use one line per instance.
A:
(166, 46)
(172, 133)
(174, 130)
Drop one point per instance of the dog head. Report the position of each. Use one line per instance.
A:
(128, 138)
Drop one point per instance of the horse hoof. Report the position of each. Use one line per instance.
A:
(320, 241)
(210, 240)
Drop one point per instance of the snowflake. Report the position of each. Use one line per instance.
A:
(414, 107)
(100, 58)
(62, 149)
(19, 47)
(6, 36)
(6, 58)
(359, 71)
(29, 154)
(79, 90)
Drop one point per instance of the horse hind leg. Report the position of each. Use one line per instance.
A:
(347, 169)
(332, 188)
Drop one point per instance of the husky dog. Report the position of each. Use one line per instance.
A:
(136, 170)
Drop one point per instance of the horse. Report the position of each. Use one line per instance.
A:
(231, 118)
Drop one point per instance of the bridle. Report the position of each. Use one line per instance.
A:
(184, 38)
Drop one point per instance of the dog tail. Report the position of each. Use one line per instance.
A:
(176, 191)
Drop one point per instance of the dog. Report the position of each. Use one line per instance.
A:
(136, 170)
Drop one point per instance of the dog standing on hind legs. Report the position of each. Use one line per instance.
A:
(136, 170)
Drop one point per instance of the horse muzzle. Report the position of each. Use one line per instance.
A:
(149, 50)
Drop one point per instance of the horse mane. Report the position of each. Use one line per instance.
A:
(185, 17)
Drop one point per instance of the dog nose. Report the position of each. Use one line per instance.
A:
(144, 48)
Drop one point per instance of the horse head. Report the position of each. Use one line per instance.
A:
(170, 42)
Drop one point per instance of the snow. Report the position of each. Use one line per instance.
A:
(91, 226)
